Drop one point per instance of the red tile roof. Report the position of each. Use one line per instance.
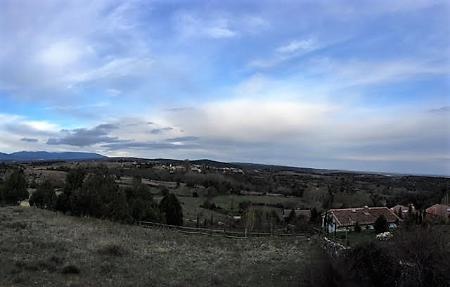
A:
(364, 215)
(440, 210)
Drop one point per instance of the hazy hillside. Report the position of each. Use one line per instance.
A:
(45, 156)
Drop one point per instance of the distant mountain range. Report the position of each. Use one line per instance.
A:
(24, 156)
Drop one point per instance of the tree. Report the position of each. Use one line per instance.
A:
(315, 216)
(291, 217)
(96, 194)
(44, 196)
(73, 184)
(357, 227)
(244, 205)
(249, 219)
(94, 197)
(118, 208)
(381, 224)
(74, 180)
(427, 252)
(140, 203)
(171, 210)
(15, 188)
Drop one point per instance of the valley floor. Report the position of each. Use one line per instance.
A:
(44, 248)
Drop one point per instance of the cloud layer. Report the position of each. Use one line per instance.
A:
(348, 84)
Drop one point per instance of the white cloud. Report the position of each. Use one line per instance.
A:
(252, 120)
(190, 25)
(297, 45)
(286, 52)
(63, 53)
(220, 32)
(116, 68)
(362, 72)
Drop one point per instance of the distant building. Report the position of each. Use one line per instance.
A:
(196, 169)
(335, 220)
(404, 210)
(438, 211)
(303, 214)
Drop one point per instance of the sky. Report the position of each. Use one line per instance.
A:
(353, 85)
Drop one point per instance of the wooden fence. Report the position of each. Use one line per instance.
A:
(215, 232)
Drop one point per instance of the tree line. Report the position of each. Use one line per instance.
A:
(97, 195)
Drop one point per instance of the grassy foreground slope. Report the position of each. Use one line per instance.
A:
(44, 248)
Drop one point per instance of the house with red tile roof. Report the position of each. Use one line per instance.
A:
(345, 219)
(438, 211)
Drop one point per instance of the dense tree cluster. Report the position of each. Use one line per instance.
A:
(98, 195)
(14, 188)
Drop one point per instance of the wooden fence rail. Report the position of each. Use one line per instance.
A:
(215, 232)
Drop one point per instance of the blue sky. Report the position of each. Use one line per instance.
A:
(357, 85)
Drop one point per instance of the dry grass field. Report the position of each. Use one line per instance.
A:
(44, 248)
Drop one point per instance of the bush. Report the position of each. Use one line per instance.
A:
(70, 269)
(112, 249)
(372, 265)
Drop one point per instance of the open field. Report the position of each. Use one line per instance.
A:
(44, 248)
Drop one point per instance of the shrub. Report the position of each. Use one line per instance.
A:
(372, 265)
(112, 249)
(70, 269)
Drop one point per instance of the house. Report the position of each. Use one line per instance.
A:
(335, 220)
(403, 210)
(438, 211)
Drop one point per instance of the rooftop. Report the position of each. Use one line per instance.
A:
(362, 215)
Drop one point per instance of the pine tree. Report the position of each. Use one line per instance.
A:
(171, 210)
